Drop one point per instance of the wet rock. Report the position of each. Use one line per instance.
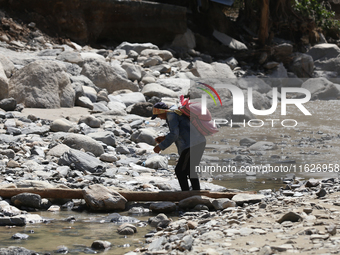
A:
(291, 216)
(240, 198)
(12, 221)
(191, 202)
(104, 76)
(163, 207)
(62, 249)
(100, 245)
(100, 198)
(27, 200)
(157, 162)
(54, 208)
(127, 229)
(263, 146)
(8, 104)
(321, 193)
(144, 135)
(78, 141)
(61, 125)
(90, 120)
(50, 89)
(81, 161)
(19, 236)
(117, 218)
(158, 220)
(247, 141)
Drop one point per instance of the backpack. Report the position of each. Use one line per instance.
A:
(203, 123)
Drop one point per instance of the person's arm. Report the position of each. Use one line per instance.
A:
(172, 136)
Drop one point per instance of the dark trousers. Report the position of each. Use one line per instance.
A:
(185, 167)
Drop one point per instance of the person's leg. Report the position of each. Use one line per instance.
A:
(180, 170)
(196, 153)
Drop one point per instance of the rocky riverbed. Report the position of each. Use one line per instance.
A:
(76, 117)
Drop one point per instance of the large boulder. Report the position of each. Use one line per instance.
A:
(106, 137)
(7, 65)
(132, 98)
(104, 76)
(213, 70)
(324, 51)
(154, 89)
(100, 198)
(144, 135)
(134, 72)
(42, 84)
(81, 161)
(27, 200)
(321, 88)
(3, 83)
(330, 65)
(302, 65)
(78, 141)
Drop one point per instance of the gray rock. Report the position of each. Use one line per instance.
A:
(331, 229)
(164, 54)
(116, 106)
(122, 149)
(321, 88)
(8, 152)
(321, 193)
(27, 200)
(291, 216)
(154, 89)
(204, 70)
(106, 137)
(328, 68)
(58, 150)
(108, 157)
(132, 98)
(127, 229)
(191, 202)
(247, 141)
(142, 109)
(50, 89)
(324, 51)
(7, 66)
(91, 93)
(240, 198)
(265, 250)
(61, 125)
(100, 198)
(186, 243)
(144, 135)
(255, 83)
(8, 210)
(282, 52)
(4, 86)
(71, 57)
(223, 203)
(156, 244)
(90, 120)
(137, 47)
(62, 249)
(13, 250)
(263, 146)
(81, 161)
(302, 65)
(8, 104)
(78, 141)
(163, 207)
(100, 107)
(186, 40)
(157, 220)
(100, 245)
(104, 76)
(134, 72)
(153, 61)
(85, 102)
(157, 162)
(12, 221)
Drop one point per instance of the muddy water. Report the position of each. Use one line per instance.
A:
(314, 140)
(77, 236)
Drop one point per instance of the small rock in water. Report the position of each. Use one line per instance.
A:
(62, 249)
(19, 236)
(100, 245)
(127, 229)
